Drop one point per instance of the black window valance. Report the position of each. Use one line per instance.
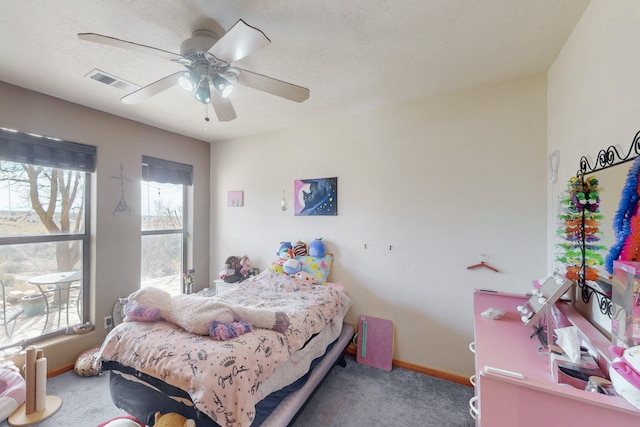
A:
(166, 171)
(46, 151)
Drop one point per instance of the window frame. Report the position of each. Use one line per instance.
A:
(25, 148)
(176, 173)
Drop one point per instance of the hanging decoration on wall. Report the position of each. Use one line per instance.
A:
(553, 160)
(626, 222)
(317, 196)
(580, 211)
(122, 204)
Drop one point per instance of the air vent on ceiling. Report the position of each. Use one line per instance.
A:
(111, 80)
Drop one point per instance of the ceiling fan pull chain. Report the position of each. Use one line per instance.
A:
(206, 116)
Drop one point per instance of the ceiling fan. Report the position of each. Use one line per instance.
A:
(208, 60)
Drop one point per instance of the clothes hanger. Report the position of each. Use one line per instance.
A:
(482, 263)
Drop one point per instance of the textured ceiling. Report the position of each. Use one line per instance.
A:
(352, 55)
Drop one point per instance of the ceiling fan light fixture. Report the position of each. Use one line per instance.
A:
(223, 86)
(189, 81)
(203, 93)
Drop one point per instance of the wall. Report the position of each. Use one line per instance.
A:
(115, 238)
(594, 92)
(440, 181)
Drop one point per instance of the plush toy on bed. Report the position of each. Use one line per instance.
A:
(283, 247)
(284, 254)
(317, 248)
(246, 266)
(305, 278)
(300, 248)
(291, 266)
(199, 315)
(172, 419)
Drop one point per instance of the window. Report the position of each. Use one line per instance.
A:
(44, 234)
(164, 237)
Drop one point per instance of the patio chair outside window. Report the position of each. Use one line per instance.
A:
(10, 313)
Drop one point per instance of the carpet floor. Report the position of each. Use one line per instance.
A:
(354, 396)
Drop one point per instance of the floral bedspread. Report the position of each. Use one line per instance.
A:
(222, 377)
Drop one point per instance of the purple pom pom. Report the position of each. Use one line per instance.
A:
(225, 331)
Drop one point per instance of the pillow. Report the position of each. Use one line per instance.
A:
(317, 267)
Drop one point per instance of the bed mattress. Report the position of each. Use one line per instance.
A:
(142, 395)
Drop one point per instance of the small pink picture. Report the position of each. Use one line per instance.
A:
(235, 199)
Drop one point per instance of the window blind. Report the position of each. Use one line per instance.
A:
(45, 151)
(166, 171)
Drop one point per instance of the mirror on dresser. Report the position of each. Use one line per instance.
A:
(611, 168)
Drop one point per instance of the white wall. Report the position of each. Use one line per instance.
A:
(115, 238)
(594, 91)
(441, 181)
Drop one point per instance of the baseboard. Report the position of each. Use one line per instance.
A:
(60, 371)
(351, 349)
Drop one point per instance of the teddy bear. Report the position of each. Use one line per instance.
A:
(172, 419)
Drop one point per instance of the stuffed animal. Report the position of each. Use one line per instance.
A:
(276, 267)
(123, 421)
(285, 254)
(246, 266)
(306, 278)
(173, 420)
(284, 246)
(291, 266)
(300, 248)
(233, 267)
(317, 248)
(194, 313)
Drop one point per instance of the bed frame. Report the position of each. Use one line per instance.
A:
(291, 405)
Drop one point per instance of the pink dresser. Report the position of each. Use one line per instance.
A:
(526, 395)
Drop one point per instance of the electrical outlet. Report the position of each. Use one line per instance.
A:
(108, 322)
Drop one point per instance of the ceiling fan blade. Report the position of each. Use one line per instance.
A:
(238, 42)
(152, 89)
(124, 44)
(273, 86)
(222, 106)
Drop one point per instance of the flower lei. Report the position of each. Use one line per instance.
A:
(580, 217)
(626, 221)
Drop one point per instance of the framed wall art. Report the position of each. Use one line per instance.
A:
(316, 196)
(235, 199)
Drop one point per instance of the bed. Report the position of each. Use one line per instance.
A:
(259, 377)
